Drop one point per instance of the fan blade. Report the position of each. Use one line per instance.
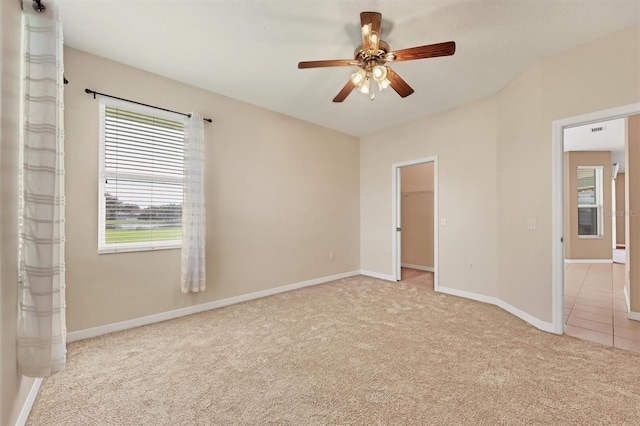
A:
(422, 52)
(330, 63)
(344, 92)
(398, 84)
(370, 23)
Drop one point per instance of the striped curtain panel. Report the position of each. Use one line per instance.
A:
(41, 310)
(193, 276)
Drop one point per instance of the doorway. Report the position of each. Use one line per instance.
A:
(419, 196)
(593, 282)
(559, 197)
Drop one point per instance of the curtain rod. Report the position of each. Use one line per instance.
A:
(94, 93)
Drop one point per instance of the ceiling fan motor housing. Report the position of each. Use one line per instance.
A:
(367, 61)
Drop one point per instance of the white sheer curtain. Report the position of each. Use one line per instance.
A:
(41, 310)
(193, 277)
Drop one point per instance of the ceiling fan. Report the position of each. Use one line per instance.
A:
(373, 55)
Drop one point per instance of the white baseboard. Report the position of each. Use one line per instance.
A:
(28, 403)
(588, 261)
(378, 275)
(469, 295)
(542, 325)
(418, 267)
(634, 315)
(150, 319)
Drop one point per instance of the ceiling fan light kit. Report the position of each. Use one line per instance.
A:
(373, 55)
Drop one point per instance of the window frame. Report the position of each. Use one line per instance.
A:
(103, 247)
(599, 202)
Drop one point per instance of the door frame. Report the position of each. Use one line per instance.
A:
(396, 195)
(557, 203)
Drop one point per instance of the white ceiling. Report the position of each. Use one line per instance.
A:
(249, 49)
(610, 138)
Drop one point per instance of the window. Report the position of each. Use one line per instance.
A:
(141, 170)
(590, 201)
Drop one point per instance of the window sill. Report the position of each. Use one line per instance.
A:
(125, 249)
(591, 237)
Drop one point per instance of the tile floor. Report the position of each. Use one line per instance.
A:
(595, 307)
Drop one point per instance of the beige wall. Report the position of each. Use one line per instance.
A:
(620, 208)
(13, 387)
(416, 187)
(632, 161)
(495, 171)
(587, 248)
(281, 195)
(522, 167)
(464, 141)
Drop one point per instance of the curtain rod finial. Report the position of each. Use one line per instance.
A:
(38, 6)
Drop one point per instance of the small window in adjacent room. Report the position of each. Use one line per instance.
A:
(590, 201)
(141, 178)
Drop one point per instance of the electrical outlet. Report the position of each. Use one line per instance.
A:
(531, 224)
(331, 255)
(443, 222)
(471, 266)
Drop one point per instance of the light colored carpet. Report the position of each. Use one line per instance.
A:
(356, 351)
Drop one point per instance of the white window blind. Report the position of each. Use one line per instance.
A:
(590, 201)
(141, 180)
